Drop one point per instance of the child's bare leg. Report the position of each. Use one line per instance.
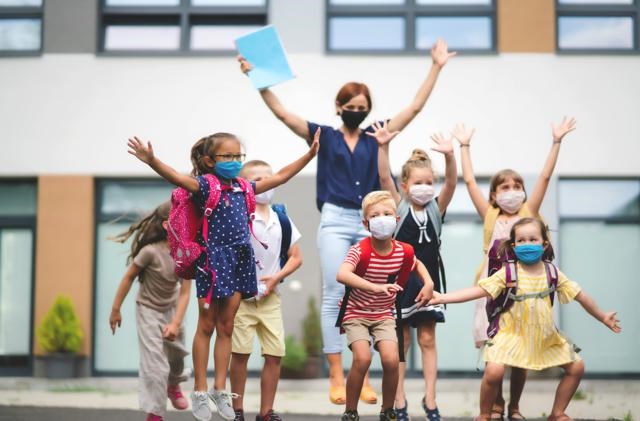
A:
(227, 308)
(390, 359)
(400, 393)
(238, 377)
(359, 367)
(427, 341)
(493, 374)
(269, 383)
(201, 341)
(567, 387)
(516, 386)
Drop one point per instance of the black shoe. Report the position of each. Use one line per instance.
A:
(403, 413)
(239, 415)
(432, 414)
(350, 416)
(271, 416)
(388, 414)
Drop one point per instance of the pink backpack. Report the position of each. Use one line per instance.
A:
(185, 221)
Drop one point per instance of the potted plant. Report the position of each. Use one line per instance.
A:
(60, 336)
(294, 359)
(312, 340)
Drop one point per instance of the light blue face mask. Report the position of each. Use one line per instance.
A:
(529, 253)
(227, 169)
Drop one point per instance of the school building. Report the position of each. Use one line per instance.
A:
(78, 77)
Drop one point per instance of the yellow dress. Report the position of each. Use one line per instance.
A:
(528, 337)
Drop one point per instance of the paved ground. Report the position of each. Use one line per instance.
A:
(116, 399)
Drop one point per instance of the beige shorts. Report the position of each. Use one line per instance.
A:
(262, 318)
(364, 330)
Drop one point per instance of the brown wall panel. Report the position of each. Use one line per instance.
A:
(526, 26)
(64, 248)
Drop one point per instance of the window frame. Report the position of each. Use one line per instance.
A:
(15, 365)
(596, 11)
(410, 11)
(184, 12)
(24, 12)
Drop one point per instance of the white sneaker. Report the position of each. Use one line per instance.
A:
(222, 400)
(200, 405)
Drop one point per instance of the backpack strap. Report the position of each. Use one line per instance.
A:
(408, 260)
(552, 278)
(403, 211)
(361, 269)
(250, 200)
(215, 192)
(285, 224)
(433, 211)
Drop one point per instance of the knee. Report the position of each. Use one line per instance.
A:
(361, 361)
(427, 341)
(225, 327)
(272, 361)
(493, 373)
(390, 362)
(575, 369)
(206, 327)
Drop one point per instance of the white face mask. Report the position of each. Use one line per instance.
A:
(264, 198)
(421, 194)
(382, 227)
(510, 201)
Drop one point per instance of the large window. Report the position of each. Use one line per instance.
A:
(177, 26)
(17, 240)
(20, 27)
(599, 245)
(396, 26)
(598, 25)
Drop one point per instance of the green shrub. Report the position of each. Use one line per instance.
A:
(312, 332)
(295, 354)
(60, 329)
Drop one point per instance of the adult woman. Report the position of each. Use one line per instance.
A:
(347, 171)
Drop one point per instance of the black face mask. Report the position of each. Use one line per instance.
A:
(352, 119)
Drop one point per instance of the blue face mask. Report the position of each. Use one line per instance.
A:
(529, 253)
(227, 169)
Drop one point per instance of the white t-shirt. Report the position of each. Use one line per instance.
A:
(270, 232)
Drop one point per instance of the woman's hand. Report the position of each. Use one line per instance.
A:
(115, 320)
(610, 321)
(315, 144)
(462, 134)
(444, 146)
(141, 151)
(440, 53)
(381, 133)
(387, 289)
(566, 125)
(245, 66)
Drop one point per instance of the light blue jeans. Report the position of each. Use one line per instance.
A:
(339, 229)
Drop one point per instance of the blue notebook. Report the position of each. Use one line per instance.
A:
(263, 49)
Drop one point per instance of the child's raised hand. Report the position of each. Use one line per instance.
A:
(444, 146)
(115, 320)
(388, 289)
(424, 295)
(245, 66)
(440, 53)
(381, 133)
(315, 145)
(559, 131)
(612, 322)
(462, 134)
(170, 332)
(141, 151)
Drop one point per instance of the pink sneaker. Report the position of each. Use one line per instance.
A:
(153, 417)
(176, 397)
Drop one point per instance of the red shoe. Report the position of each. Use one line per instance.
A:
(153, 417)
(176, 397)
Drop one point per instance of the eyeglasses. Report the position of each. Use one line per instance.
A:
(231, 157)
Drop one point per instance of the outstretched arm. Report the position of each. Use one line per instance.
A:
(295, 123)
(145, 154)
(383, 136)
(347, 277)
(460, 296)
(537, 196)
(445, 147)
(464, 136)
(608, 319)
(170, 331)
(440, 55)
(115, 318)
(290, 170)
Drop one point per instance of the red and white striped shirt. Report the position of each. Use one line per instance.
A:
(370, 305)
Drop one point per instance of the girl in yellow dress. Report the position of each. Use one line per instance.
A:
(528, 337)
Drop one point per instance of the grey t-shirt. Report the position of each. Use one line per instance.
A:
(159, 285)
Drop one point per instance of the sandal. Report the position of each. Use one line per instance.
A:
(402, 413)
(514, 414)
(497, 412)
(432, 414)
(368, 395)
(338, 395)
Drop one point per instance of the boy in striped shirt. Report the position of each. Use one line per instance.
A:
(369, 310)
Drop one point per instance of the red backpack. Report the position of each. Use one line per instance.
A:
(401, 278)
(186, 221)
